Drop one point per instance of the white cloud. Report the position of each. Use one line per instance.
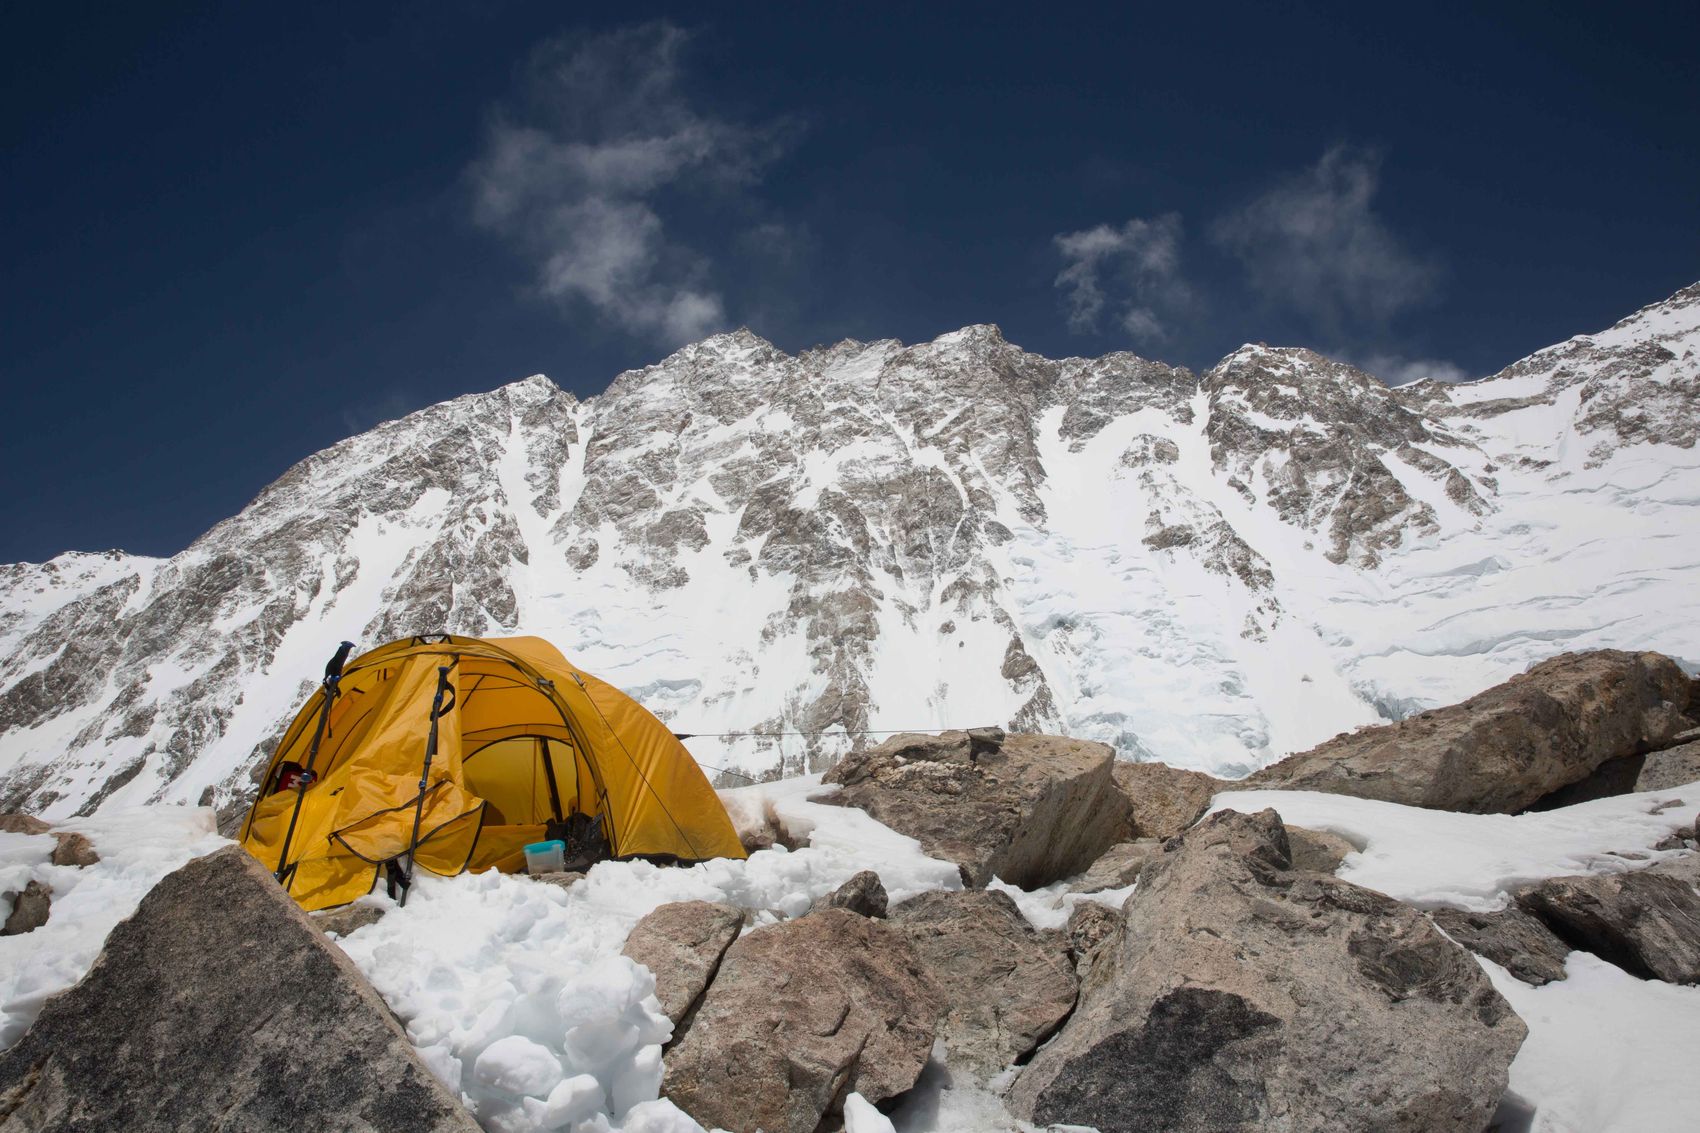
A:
(1313, 243)
(1397, 370)
(1134, 268)
(578, 183)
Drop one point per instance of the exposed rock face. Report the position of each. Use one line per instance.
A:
(1117, 866)
(862, 894)
(682, 944)
(218, 1005)
(73, 850)
(1646, 923)
(1007, 986)
(801, 1014)
(1244, 995)
(30, 909)
(1034, 810)
(1511, 938)
(1164, 800)
(1513, 744)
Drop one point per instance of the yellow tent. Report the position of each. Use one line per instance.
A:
(525, 738)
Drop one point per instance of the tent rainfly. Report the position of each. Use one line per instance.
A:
(520, 740)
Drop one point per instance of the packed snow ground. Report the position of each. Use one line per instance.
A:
(517, 996)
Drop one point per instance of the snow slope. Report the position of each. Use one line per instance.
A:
(1210, 569)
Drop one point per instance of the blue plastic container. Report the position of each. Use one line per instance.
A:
(545, 857)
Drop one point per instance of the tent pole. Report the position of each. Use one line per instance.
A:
(333, 677)
(437, 711)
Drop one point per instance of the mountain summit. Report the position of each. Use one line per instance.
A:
(1211, 569)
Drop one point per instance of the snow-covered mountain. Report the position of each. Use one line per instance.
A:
(1210, 569)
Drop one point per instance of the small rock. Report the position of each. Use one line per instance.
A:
(1007, 986)
(758, 824)
(1118, 867)
(1510, 938)
(16, 823)
(73, 850)
(682, 944)
(348, 918)
(984, 741)
(29, 909)
(862, 894)
(1317, 850)
(1646, 923)
(1682, 838)
(1089, 926)
(561, 878)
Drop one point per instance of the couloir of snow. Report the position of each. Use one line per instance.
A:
(517, 996)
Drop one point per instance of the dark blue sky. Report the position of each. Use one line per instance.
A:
(234, 234)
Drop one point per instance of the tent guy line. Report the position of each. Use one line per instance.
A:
(830, 732)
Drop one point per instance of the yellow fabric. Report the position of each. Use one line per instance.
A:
(523, 719)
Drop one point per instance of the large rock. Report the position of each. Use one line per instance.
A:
(1028, 809)
(219, 1006)
(1512, 745)
(1645, 922)
(13, 822)
(802, 1014)
(1511, 938)
(1244, 995)
(1007, 986)
(1164, 800)
(682, 944)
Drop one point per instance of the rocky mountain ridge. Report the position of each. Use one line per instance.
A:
(1213, 569)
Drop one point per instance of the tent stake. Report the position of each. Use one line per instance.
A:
(333, 676)
(437, 710)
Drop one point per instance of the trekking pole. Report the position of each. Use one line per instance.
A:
(437, 710)
(333, 676)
